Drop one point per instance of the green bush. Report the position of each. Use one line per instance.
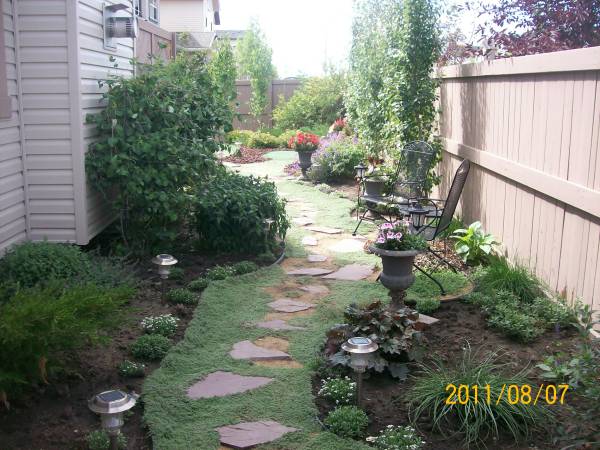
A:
(150, 347)
(347, 422)
(182, 296)
(264, 140)
(177, 273)
(479, 420)
(31, 263)
(336, 158)
(198, 284)
(156, 140)
(39, 326)
(501, 275)
(99, 440)
(340, 390)
(428, 305)
(243, 267)
(317, 101)
(131, 369)
(241, 136)
(239, 224)
(219, 272)
(165, 325)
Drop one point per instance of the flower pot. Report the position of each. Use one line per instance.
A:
(374, 188)
(305, 160)
(397, 274)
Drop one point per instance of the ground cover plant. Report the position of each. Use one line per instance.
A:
(150, 347)
(397, 438)
(131, 369)
(347, 421)
(342, 391)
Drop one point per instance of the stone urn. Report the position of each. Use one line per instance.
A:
(397, 274)
(305, 160)
(374, 187)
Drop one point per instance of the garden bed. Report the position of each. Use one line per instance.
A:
(248, 155)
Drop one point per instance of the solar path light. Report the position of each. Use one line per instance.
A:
(111, 405)
(164, 263)
(360, 349)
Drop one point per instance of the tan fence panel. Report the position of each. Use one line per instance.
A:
(531, 125)
(153, 42)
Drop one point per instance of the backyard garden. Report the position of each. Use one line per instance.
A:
(240, 296)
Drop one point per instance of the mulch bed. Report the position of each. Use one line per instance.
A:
(249, 156)
(56, 416)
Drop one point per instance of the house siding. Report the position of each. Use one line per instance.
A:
(182, 15)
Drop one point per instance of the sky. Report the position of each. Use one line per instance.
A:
(304, 34)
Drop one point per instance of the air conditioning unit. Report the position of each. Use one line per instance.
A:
(118, 24)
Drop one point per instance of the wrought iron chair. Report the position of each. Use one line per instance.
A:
(439, 214)
(407, 182)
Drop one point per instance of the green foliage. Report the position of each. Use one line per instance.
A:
(177, 273)
(239, 224)
(242, 267)
(150, 347)
(473, 245)
(99, 440)
(455, 224)
(342, 391)
(397, 438)
(501, 275)
(30, 263)
(428, 305)
(182, 296)
(198, 284)
(264, 140)
(241, 136)
(129, 369)
(477, 421)
(219, 272)
(253, 55)
(319, 100)
(165, 325)
(392, 330)
(223, 70)
(424, 288)
(156, 139)
(347, 421)
(336, 158)
(39, 326)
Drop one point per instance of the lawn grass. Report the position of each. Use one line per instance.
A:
(425, 288)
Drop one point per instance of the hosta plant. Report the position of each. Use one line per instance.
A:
(473, 245)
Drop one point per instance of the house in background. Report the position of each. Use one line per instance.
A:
(54, 54)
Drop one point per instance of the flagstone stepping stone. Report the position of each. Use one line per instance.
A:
(222, 384)
(325, 230)
(312, 271)
(309, 240)
(315, 289)
(286, 364)
(348, 246)
(316, 258)
(250, 434)
(248, 350)
(278, 324)
(302, 221)
(424, 321)
(287, 305)
(351, 272)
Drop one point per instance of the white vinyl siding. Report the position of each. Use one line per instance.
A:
(182, 15)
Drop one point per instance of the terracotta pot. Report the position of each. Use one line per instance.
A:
(374, 188)
(397, 274)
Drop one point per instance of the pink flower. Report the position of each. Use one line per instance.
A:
(399, 236)
(386, 226)
(391, 235)
(381, 240)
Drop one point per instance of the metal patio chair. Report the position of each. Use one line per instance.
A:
(408, 184)
(439, 215)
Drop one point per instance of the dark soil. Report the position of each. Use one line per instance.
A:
(385, 399)
(56, 416)
(249, 155)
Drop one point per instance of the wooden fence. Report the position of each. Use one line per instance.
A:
(155, 41)
(279, 89)
(531, 126)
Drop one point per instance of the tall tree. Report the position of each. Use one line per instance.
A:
(223, 72)
(254, 57)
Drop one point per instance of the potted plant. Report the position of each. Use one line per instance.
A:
(305, 144)
(375, 179)
(397, 249)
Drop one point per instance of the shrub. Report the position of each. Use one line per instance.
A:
(264, 140)
(317, 101)
(336, 158)
(397, 438)
(243, 267)
(150, 347)
(473, 245)
(165, 325)
(340, 390)
(219, 272)
(500, 275)
(239, 224)
(514, 323)
(241, 136)
(39, 326)
(99, 440)
(156, 140)
(428, 305)
(198, 284)
(131, 369)
(182, 296)
(476, 420)
(31, 263)
(347, 421)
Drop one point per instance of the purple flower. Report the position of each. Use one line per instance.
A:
(391, 235)
(380, 240)
(399, 236)
(386, 226)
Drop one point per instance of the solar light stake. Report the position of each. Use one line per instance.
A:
(360, 171)
(417, 216)
(360, 349)
(111, 405)
(164, 262)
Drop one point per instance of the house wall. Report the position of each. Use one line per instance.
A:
(531, 126)
(13, 220)
(183, 15)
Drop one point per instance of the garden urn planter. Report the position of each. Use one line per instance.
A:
(397, 274)
(305, 160)
(374, 188)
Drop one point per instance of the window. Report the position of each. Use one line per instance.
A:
(153, 10)
(137, 7)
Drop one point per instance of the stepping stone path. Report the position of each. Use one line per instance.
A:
(286, 305)
(309, 240)
(351, 272)
(302, 221)
(248, 350)
(348, 246)
(325, 230)
(311, 271)
(315, 289)
(278, 325)
(250, 434)
(316, 258)
(424, 321)
(222, 384)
